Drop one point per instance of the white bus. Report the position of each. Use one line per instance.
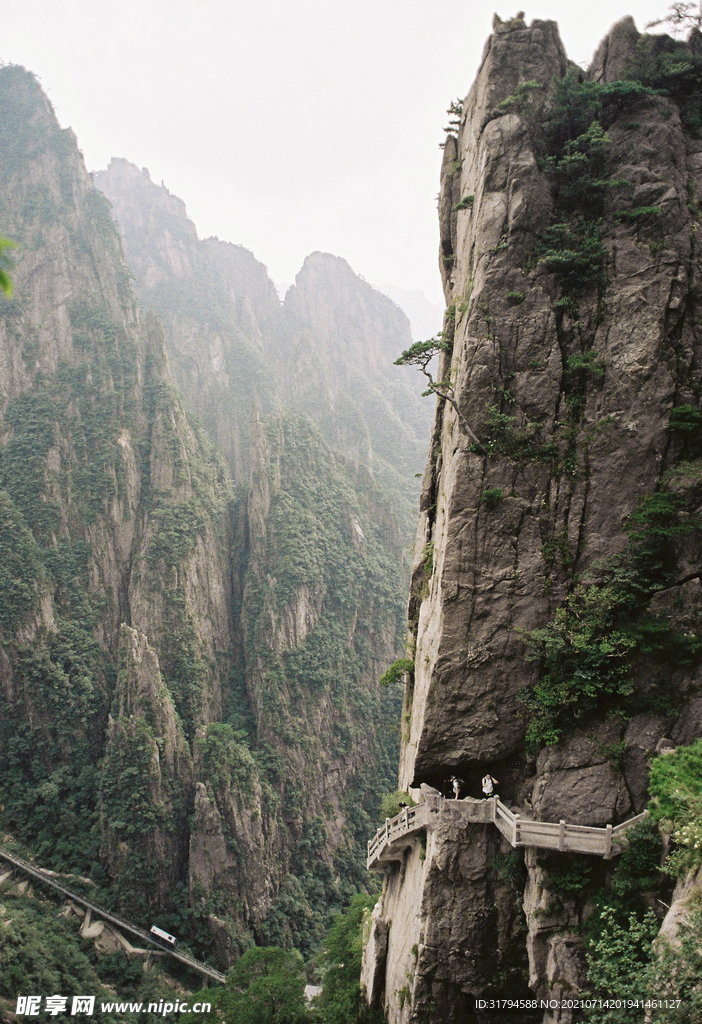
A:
(161, 936)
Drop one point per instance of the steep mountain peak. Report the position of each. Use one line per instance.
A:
(129, 175)
(613, 56)
(352, 319)
(151, 211)
(177, 662)
(32, 108)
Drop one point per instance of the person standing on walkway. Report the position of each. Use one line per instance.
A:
(488, 785)
(456, 784)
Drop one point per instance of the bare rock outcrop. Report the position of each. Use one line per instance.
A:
(506, 539)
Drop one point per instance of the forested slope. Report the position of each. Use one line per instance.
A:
(189, 712)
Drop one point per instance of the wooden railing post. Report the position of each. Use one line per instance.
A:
(562, 835)
(608, 843)
(517, 831)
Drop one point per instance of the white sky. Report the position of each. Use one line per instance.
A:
(285, 125)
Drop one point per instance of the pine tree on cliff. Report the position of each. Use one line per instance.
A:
(420, 354)
(680, 16)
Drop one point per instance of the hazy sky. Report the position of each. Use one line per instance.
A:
(285, 125)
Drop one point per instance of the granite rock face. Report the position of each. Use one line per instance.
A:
(449, 921)
(197, 667)
(146, 753)
(342, 339)
(219, 308)
(327, 349)
(504, 538)
(125, 516)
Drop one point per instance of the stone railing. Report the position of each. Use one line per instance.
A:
(411, 819)
(387, 844)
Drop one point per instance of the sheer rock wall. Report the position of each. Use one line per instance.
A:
(503, 538)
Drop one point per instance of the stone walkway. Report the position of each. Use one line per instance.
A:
(397, 833)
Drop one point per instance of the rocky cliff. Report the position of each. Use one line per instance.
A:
(219, 308)
(327, 350)
(188, 700)
(116, 510)
(343, 337)
(556, 586)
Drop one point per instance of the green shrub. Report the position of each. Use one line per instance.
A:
(510, 868)
(574, 253)
(500, 435)
(20, 566)
(585, 362)
(396, 672)
(675, 972)
(568, 875)
(341, 1001)
(465, 204)
(629, 958)
(390, 803)
(686, 426)
(491, 497)
(265, 986)
(515, 298)
(522, 99)
(636, 874)
(615, 963)
(226, 762)
(637, 869)
(685, 419)
(626, 216)
(657, 517)
(573, 147)
(588, 652)
(676, 790)
(39, 952)
(668, 65)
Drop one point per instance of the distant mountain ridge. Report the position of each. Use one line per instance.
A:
(191, 633)
(327, 349)
(425, 317)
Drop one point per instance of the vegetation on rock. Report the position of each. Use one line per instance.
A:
(589, 651)
(420, 354)
(676, 790)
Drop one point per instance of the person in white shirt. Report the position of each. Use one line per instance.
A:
(489, 784)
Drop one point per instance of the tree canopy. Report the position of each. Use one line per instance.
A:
(265, 986)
